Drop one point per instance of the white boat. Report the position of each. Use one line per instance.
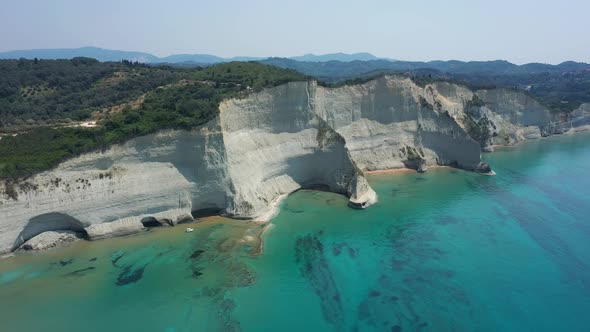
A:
(188, 230)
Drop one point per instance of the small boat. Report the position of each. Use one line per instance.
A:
(188, 230)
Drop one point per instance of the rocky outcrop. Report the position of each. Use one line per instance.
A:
(267, 145)
(114, 228)
(576, 121)
(50, 239)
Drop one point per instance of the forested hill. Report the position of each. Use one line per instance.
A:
(37, 93)
(43, 101)
(40, 92)
(339, 70)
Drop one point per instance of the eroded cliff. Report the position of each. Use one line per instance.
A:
(267, 145)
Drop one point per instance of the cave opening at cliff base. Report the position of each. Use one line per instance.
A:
(54, 221)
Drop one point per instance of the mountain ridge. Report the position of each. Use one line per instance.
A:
(103, 55)
(344, 57)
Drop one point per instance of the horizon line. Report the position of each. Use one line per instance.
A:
(288, 57)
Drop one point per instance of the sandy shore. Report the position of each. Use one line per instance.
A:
(391, 171)
(401, 170)
(273, 209)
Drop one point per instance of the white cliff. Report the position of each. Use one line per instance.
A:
(50, 239)
(265, 146)
(276, 144)
(390, 123)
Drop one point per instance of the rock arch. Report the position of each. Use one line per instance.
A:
(54, 221)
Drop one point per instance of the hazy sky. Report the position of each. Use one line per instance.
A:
(517, 30)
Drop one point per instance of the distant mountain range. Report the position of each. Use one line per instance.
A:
(338, 70)
(102, 54)
(331, 67)
(99, 54)
(343, 57)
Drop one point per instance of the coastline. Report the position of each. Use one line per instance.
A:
(402, 170)
(272, 211)
(245, 261)
(274, 206)
(573, 131)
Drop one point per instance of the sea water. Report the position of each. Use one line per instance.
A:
(447, 250)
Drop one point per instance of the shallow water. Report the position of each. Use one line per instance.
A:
(443, 251)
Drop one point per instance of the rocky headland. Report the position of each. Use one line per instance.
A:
(266, 145)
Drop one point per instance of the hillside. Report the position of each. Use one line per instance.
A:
(126, 100)
(337, 70)
(562, 87)
(37, 93)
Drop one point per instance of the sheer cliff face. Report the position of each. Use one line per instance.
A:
(393, 123)
(268, 145)
(276, 144)
(165, 176)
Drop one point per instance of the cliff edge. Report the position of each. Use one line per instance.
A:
(267, 145)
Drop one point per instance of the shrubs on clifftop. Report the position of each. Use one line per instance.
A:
(36, 93)
(241, 75)
(25, 154)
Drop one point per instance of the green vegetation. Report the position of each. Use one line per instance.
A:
(353, 81)
(173, 98)
(426, 79)
(253, 74)
(36, 93)
(43, 148)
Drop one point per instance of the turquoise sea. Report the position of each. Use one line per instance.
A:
(443, 251)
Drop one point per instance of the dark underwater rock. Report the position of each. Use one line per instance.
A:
(81, 272)
(66, 262)
(130, 275)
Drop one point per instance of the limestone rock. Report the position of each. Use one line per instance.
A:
(114, 228)
(361, 193)
(484, 168)
(50, 239)
(422, 168)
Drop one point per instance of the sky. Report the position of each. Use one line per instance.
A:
(519, 31)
